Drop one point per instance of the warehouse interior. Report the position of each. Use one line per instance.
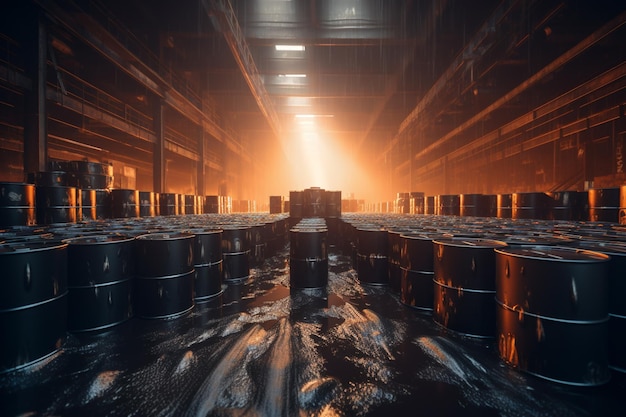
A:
(383, 97)
(213, 110)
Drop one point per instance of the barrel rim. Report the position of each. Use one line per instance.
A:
(514, 251)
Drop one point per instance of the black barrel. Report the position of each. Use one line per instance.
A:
(622, 205)
(17, 204)
(417, 202)
(33, 302)
(56, 204)
(473, 205)
(164, 274)
(87, 205)
(333, 204)
(604, 204)
(258, 244)
(211, 204)
(417, 269)
(103, 204)
(276, 204)
(372, 250)
(448, 205)
(403, 203)
(296, 202)
(49, 179)
(464, 285)
(552, 315)
(208, 264)
(491, 205)
(88, 181)
(429, 205)
(236, 252)
(124, 203)
(504, 209)
(394, 246)
(617, 294)
(308, 257)
(147, 204)
(100, 281)
(530, 206)
(87, 167)
(169, 204)
(569, 205)
(190, 204)
(314, 202)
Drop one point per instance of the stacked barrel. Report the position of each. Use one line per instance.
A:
(308, 254)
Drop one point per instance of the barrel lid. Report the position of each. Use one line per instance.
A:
(309, 229)
(608, 248)
(99, 239)
(470, 242)
(165, 236)
(203, 231)
(425, 236)
(554, 253)
(13, 248)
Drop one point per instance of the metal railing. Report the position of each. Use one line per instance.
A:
(85, 92)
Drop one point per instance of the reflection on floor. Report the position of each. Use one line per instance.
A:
(260, 349)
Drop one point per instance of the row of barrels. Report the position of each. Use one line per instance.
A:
(314, 202)
(28, 204)
(550, 292)
(84, 175)
(96, 275)
(600, 204)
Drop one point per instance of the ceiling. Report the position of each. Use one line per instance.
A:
(358, 71)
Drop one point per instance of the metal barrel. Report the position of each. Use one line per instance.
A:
(622, 205)
(417, 202)
(33, 302)
(448, 205)
(617, 294)
(333, 204)
(211, 204)
(169, 204)
(147, 204)
(308, 256)
(258, 244)
(504, 206)
(417, 269)
(604, 204)
(17, 204)
(208, 264)
(464, 285)
(569, 205)
(314, 202)
(530, 206)
(296, 210)
(236, 240)
(56, 204)
(475, 205)
(429, 205)
(164, 274)
(124, 203)
(86, 205)
(552, 312)
(393, 258)
(100, 281)
(371, 253)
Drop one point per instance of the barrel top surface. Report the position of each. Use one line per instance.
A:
(166, 236)
(425, 236)
(310, 229)
(609, 248)
(471, 242)
(99, 239)
(204, 231)
(554, 254)
(29, 247)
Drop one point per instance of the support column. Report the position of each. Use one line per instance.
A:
(35, 126)
(158, 158)
(201, 167)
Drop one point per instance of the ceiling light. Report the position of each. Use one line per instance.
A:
(312, 116)
(292, 75)
(292, 48)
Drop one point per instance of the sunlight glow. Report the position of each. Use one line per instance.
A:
(290, 48)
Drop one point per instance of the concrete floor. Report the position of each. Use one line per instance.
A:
(260, 349)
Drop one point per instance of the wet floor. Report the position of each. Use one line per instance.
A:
(260, 349)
